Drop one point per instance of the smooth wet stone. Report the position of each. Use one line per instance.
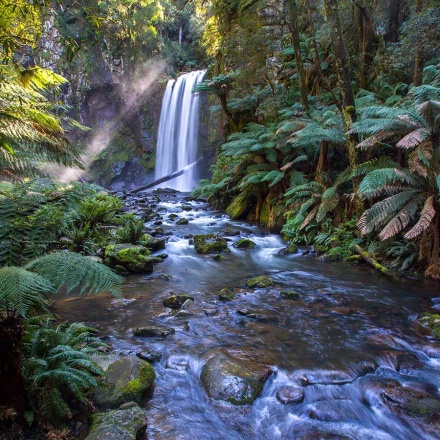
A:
(173, 217)
(231, 233)
(218, 257)
(209, 243)
(153, 331)
(236, 381)
(121, 424)
(290, 394)
(182, 221)
(176, 301)
(245, 243)
(210, 312)
(149, 356)
(126, 379)
(261, 281)
(226, 295)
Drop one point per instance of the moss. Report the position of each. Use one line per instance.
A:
(431, 320)
(241, 205)
(209, 244)
(261, 281)
(226, 295)
(135, 259)
(245, 243)
(136, 387)
(289, 294)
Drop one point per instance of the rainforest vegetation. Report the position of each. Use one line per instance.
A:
(328, 132)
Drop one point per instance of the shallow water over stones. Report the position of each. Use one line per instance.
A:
(346, 356)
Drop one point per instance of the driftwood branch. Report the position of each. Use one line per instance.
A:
(371, 261)
(167, 177)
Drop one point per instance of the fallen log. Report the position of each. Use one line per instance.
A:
(371, 261)
(167, 177)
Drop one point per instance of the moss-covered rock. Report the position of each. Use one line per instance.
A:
(241, 205)
(261, 281)
(226, 295)
(182, 221)
(134, 258)
(176, 301)
(154, 331)
(236, 381)
(152, 243)
(245, 243)
(209, 244)
(432, 321)
(121, 424)
(125, 380)
(289, 294)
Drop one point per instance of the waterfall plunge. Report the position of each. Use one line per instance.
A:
(178, 131)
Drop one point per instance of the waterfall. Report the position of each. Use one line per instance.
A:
(178, 131)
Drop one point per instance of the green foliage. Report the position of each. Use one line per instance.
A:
(132, 229)
(58, 369)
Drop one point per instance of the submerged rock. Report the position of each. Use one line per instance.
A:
(182, 221)
(149, 356)
(226, 295)
(176, 301)
(290, 394)
(209, 244)
(245, 243)
(122, 424)
(289, 294)
(236, 381)
(126, 380)
(153, 331)
(133, 258)
(261, 281)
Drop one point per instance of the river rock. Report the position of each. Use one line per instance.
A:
(125, 380)
(289, 294)
(432, 321)
(152, 243)
(261, 281)
(226, 295)
(236, 381)
(245, 243)
(153, 331)
(149, 356)
(121, 424)
(133, 258)
(182, 221)
(290, 394)
(176, 301)
(173, 217)
(412, 401)
(209, 244)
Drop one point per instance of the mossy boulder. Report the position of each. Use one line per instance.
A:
(226, 295)
(134, 258)
(176, 301)
(412, 401)
(154, 331)
(432, 321)
(209, 244)
(236, 381)
(152, 243)
(126, 380)
(261, 281)
(122, 424)
(245, 243)
(182, 221)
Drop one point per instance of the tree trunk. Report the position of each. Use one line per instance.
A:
(348, 108)
(418, 54)
(11, 382)
(393, 21)
(293, 13)
(322, 164)
(433, 270)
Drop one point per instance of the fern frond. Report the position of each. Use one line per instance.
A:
(414, 138)
(74, 270)
(426, 216)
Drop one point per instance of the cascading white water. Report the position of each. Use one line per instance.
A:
(178, 131)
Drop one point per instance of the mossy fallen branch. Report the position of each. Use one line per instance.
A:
(372, 262)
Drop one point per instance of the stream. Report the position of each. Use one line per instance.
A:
(349, 344)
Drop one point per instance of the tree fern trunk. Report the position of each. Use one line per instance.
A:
(322, 164)
(418, 54)
(433, 270)
(11, 381)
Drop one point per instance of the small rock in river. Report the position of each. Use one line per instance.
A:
(182, 221)
(290, 394)
(261, 281)
(176, 301)
(153, 331)
(149, 356)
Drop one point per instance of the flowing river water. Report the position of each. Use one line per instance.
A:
(349, 344)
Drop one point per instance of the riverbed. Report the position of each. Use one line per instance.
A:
(348, 342)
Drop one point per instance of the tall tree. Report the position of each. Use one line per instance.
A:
(418, 55)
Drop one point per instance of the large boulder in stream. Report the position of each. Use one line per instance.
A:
(122, 424)
(133, 258)
(152, 243)
(236, 381)
(126, 380)
(209, 243)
